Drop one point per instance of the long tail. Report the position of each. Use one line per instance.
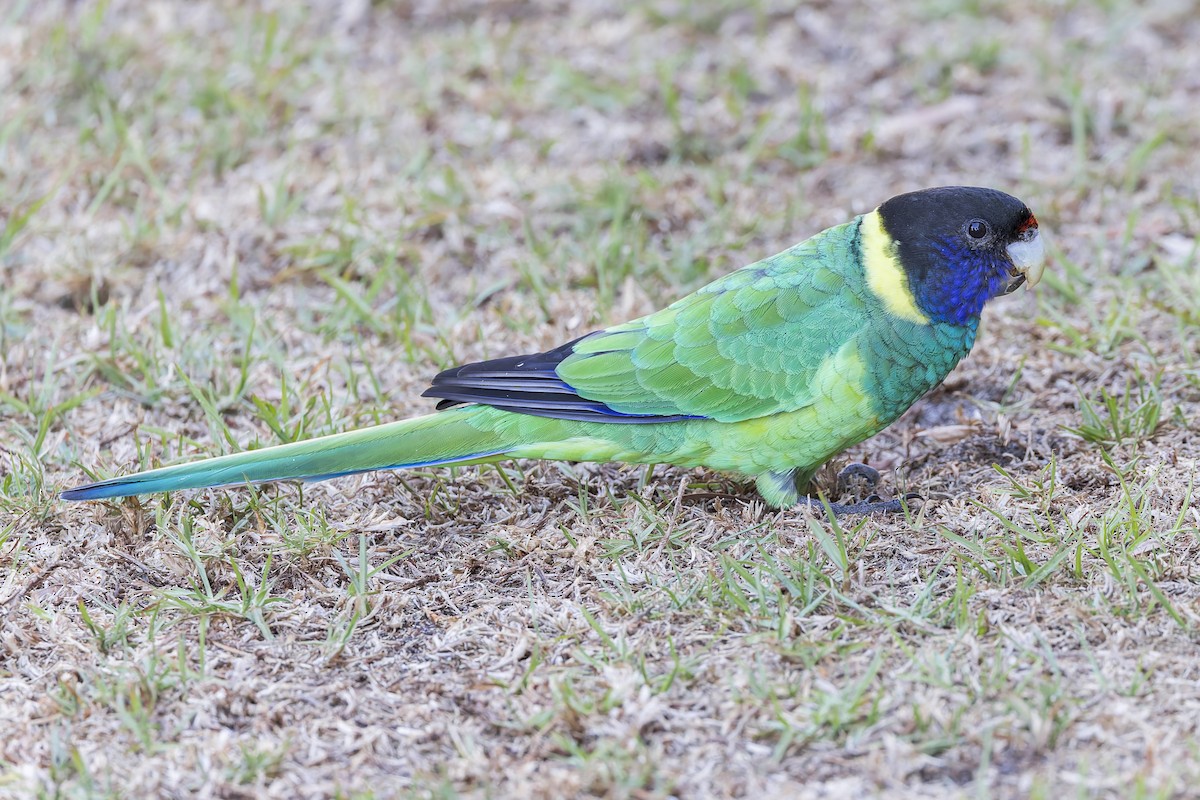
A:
(460, 436)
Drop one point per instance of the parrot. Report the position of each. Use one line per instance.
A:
(765, 373)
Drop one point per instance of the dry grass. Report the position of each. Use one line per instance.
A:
(224, 224)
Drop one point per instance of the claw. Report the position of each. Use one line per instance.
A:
(857, 480)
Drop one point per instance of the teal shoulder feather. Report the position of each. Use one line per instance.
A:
(744, 346)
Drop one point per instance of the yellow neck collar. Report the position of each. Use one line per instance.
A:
(885, 276)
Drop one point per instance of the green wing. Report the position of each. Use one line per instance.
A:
(747, 345)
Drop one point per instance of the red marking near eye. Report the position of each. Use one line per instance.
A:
(1030, 222)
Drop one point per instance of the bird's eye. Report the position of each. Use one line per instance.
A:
(978, 229)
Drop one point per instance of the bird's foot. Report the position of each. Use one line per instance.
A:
(857, 480)
(871, 505)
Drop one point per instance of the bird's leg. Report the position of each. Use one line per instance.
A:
(783, 490)
(857, 480)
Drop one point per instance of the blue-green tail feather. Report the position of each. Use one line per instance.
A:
(459, 436)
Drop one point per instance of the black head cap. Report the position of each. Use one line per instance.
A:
(954, 245)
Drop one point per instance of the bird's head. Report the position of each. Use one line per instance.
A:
(942, 253)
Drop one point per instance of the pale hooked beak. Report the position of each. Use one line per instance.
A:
(1028, 259)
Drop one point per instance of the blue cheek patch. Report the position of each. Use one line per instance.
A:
(955, 293)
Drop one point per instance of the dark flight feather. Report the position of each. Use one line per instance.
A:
(528, 384)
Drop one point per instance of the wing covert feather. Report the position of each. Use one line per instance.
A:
(746, 345)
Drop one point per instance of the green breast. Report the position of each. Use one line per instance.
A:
(905, 360)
